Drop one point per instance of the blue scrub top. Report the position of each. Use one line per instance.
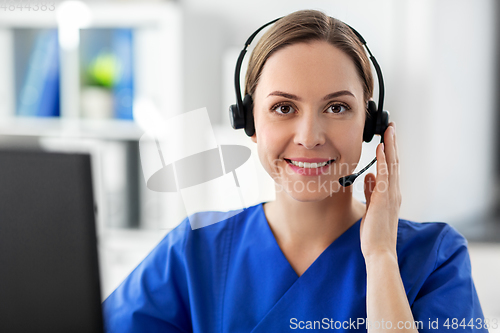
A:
(232, 276)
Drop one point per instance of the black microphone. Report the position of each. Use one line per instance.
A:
(349, 179)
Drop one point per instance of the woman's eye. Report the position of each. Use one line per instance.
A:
(284, 109)
(337, 108)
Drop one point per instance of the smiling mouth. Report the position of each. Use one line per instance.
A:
(306, 165)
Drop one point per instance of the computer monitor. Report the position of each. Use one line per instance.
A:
(49, 273)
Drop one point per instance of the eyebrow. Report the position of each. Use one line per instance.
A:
(297, 98)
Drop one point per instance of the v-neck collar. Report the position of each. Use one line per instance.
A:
(342, 240)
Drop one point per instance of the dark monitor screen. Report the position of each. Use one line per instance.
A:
(49, 277)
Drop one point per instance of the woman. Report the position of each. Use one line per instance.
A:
(315, 258)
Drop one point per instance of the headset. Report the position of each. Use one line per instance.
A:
(377, 120)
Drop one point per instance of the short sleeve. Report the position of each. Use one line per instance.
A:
(447, 299)
(154, 297)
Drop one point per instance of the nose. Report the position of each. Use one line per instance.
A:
(309, 131)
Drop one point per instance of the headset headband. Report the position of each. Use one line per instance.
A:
(239, 100)
(380, 79)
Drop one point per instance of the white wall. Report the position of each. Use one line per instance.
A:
(442, 99)
(437, 60)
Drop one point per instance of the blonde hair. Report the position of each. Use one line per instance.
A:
(303, 26)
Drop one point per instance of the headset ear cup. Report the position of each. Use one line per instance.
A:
(370, 122)
(384, 123)
(249, 122)
(236, 120)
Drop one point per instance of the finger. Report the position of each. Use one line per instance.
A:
(369, 187)
(397, 170)
(382, 180)
(396, 149)
(396, 143)
(390, 153)
(393, 164)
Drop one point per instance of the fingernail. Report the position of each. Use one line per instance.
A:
(392, 131)
(383, 147)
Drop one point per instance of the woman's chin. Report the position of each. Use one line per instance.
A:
(311, 191)
(304, 196)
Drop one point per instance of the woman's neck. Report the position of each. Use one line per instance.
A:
(312, 224)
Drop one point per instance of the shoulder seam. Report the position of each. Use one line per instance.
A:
(225, 273)
(186, 231)
(398, 237)
(188, 225)
(448, 228)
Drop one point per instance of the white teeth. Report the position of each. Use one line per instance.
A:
(308, 165)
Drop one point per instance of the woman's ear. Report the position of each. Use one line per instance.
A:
(254, 137)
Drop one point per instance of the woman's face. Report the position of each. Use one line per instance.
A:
(309, 108)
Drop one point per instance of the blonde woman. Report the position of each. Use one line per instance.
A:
(315, 258)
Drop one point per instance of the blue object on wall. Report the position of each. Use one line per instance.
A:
(123, 89)
(40, 93)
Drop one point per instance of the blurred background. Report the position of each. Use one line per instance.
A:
(75, 76)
